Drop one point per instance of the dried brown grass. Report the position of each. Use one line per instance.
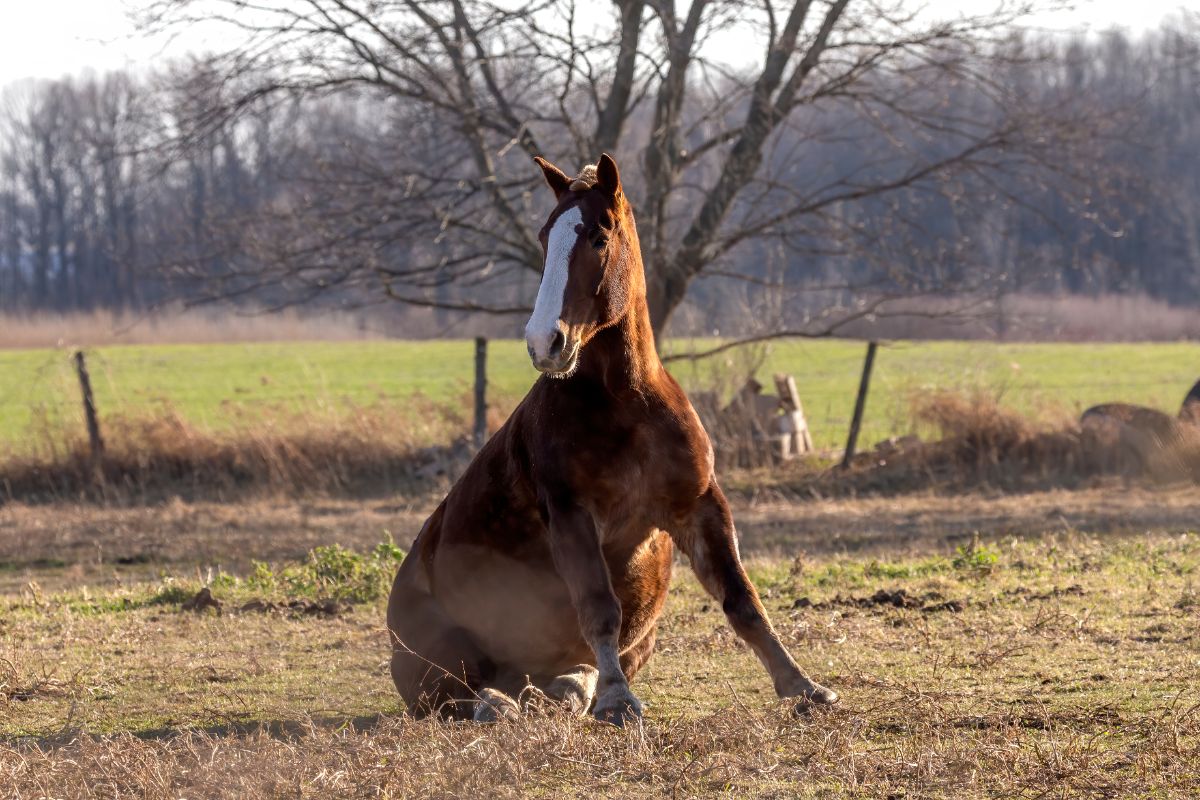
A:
(738, 752)
(150, 458)
(1023, 317)
(972, 441)
(1068, 670)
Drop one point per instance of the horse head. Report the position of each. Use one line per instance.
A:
(591, 267)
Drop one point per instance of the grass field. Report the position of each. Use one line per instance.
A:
(1061, 666)
(223, 387)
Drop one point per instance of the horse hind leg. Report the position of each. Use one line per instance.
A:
(449, 676)
(438, 673)
(576, 688)
(436, 665)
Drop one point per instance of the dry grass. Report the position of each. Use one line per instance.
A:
(1019, 318)
(362, 452)
(1070, 671)
(972, 442)
(1113, 317)
(949, 747)
(1107, 318)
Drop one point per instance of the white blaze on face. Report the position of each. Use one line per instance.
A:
(543, 325)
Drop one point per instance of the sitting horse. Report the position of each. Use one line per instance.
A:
(548, 562)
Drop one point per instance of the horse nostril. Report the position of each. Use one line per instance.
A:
(556, 344)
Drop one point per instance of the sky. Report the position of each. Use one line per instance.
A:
(52, 38)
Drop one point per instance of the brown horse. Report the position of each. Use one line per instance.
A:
(1133, 434)
(549, 560)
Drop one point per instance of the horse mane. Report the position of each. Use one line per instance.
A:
(585, 180)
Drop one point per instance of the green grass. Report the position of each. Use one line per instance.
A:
(220, 387)
(1040, 380)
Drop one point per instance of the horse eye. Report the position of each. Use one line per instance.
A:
(599, 239)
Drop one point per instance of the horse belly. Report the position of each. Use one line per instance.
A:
(518, 610)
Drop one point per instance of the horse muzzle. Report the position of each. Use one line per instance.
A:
(553, 354)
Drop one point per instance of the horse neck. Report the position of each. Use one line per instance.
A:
(623, 356)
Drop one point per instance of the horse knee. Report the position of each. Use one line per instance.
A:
(742, 608)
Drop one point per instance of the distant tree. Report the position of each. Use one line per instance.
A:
(984, 165)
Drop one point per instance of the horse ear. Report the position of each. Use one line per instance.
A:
(554, 176)
(608, 177)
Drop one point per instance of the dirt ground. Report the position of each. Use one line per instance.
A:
(69, 542)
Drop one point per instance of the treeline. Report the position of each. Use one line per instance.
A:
(100, 194)
(120, 191)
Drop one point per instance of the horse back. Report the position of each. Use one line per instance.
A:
(1142, 419)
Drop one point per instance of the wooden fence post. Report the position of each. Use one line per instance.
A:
(859, 404)
(480, 392)
(796, 439)
(89, 408)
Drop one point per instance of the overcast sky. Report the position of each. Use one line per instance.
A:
(51, 38)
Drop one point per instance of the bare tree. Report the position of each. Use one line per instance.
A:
(472, 89)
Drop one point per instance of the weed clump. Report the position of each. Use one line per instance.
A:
(329, 579)
(976, 558)
(330, 572)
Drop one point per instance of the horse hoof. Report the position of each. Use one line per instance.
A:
(817, 695)
(618, 707)
(493, 706)
(575, 701)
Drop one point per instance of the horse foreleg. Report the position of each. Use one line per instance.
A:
(710, 542)
(579, 560)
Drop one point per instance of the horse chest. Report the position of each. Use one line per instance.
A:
(647, 478)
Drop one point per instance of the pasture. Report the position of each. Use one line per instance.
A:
(1056, 663)
(985, 645)
(223, 388)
